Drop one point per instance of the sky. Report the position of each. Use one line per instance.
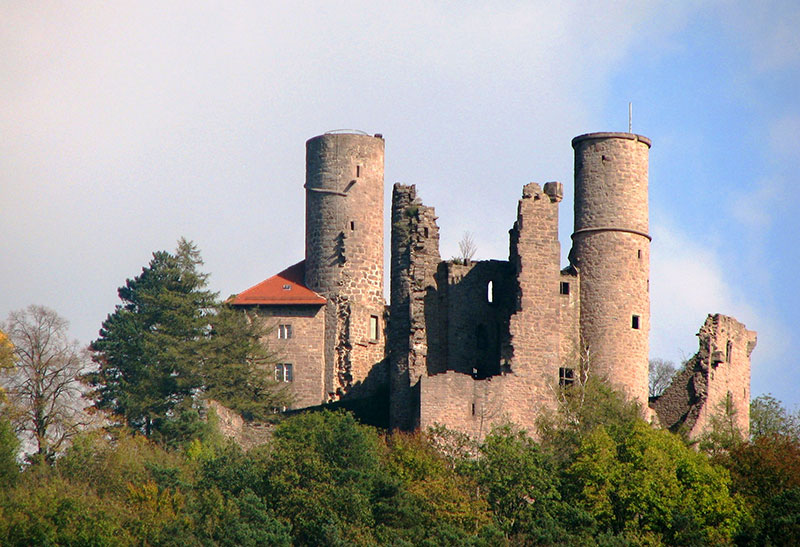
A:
(125, 126)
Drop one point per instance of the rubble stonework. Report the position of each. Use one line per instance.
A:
(471, 344)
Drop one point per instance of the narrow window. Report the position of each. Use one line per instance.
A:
(728, 350)
(284, 332)
(373, 327)
(564, 289)
(473, 409)
(352, 225)
(639, 253)
(425, 231)
(358, 171)
(490, 292)
(566, 376)
(284, 372)
(635, 322)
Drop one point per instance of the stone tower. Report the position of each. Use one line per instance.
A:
(344, 252)
(611, 250)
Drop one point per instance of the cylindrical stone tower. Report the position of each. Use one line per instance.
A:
(344, 251)
(611, 249)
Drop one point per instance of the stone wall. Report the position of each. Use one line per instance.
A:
(416, 326)
(344, 252)
(611, 251)
(304, 350)
(715, 381)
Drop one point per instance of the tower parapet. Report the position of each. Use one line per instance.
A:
(611, 250)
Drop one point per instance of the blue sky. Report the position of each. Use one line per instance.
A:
(126, 127)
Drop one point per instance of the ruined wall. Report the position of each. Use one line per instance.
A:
(463, 403)
(344, 251)
(718, 375)
(611, 250)
(416, 327)
(535, 326)
(479, 298)
(304, 350)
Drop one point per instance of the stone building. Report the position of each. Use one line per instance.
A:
(469, 344)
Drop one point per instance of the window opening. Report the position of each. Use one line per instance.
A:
(635, 322)
(284, 332)
(352, 225)
(564, 289)
(287, 287)
(728, 350)
(373, 327)
(284, 372)
(566, 376)
(639, 253)
(473, 409)
(490, 292)
(425, 231)
(358, 171)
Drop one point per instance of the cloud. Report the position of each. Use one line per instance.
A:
(687, 283)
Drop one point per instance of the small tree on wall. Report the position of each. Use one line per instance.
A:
(466, 248)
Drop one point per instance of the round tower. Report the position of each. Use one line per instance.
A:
(611, 249)
(344, 250)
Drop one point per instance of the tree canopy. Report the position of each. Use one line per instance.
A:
(171, 342)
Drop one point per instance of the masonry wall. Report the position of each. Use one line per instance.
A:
(304, 350)
(715, 381)
(611, 251)
(344, 251)
(416, 328)
(535, 326)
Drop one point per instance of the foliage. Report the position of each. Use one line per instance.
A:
(723, 432)
(766, 472)
(170, 342)
(768, 417)
(648, 487)
(660, 374)
(44, 387)
(9, 446)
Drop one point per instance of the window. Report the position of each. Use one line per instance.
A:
(284, 372)
(358, 171)
(473, 409)
(635, 322)
(284, 332)
(287, 287)
(639, 253)
(564, 289)
(373, 327)
(425, 231)
(566, 376)
(728, 350)
(490, 292)
(352, 225)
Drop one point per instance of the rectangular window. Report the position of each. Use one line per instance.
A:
(564, 289)
(566, 376)
(635, 322)
(284, 372)
(284, 332)
(373, 327)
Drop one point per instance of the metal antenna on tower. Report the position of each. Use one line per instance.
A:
(630, 117)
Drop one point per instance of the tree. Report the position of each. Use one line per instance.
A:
(769, 417)
(169, 343)
(661, 373)
(44, 387)
(466, 248)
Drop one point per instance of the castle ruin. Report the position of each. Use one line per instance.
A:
(470, 344)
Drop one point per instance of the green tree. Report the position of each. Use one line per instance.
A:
(769, 417)
(170, 343)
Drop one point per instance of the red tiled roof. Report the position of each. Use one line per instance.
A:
(285, 288)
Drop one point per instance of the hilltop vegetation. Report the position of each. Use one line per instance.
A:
(325, 479)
